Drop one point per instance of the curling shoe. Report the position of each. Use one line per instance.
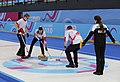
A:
(76, 66)
(98, 73)
(24, 57)
(70, 66)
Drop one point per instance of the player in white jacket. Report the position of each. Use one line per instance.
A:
(75, 39)
(21, 26)
(40, 36)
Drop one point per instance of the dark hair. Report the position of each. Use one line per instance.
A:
(98, 21)
(26, 15)
(40, 28)
(69, 27)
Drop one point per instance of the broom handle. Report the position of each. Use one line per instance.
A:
(47, 51)
(24, 43)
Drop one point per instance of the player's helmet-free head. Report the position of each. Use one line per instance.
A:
(69, 27)
(40, 28)
(98, 18)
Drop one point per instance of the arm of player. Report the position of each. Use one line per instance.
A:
(111, 37)
(88, 37)
(18, 28)
(65, 39)
(16, 25)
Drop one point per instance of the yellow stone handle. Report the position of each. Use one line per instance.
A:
(80, 44)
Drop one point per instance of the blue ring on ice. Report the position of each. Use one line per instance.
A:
(51, 66)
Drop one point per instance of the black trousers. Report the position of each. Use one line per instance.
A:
(100, 59)
(32, 44)
(74, 49)
(21, 51)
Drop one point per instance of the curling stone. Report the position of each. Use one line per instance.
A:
(42, 58)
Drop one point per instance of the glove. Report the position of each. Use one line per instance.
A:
(19, 31)
(83, 44)
(114, 41)
(65, 47)
(27, 35)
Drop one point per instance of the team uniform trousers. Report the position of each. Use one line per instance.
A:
(32, 44)
(21, 51)
(100, 60)
(72, 48)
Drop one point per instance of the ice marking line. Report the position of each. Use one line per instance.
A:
(8, 45)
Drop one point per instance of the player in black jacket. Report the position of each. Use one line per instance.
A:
(99, 30)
